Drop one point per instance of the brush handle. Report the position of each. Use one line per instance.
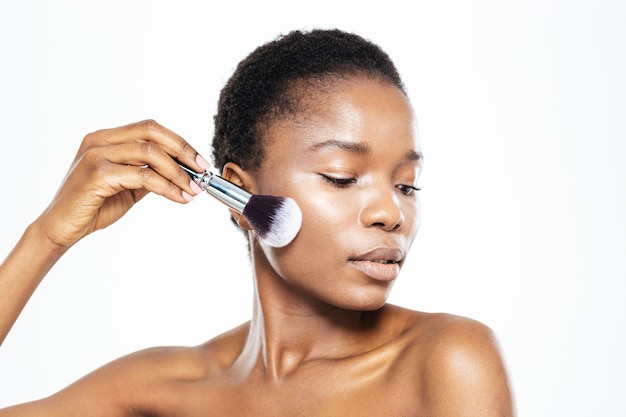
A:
(225, 191)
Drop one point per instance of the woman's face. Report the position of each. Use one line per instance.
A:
(351, 163)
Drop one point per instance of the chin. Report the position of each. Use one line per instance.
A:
(363, 302)
(373, 306)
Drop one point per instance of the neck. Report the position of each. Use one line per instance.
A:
(290, 328)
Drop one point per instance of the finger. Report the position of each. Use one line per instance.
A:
(144, 180)
(141, 154)
(110, 178)
(139, 194)
(148, 130)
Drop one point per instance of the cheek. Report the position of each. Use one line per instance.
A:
(324, 221)
(321, 244)
(326, 215)
(415, 210)
(413, 219)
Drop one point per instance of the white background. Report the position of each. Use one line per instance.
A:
(521, 109)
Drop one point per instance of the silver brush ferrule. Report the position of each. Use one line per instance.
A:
(228, 193)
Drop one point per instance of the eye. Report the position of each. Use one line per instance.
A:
(339, 182)
(407, 190)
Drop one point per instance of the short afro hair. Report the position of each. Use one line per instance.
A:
(268, 85)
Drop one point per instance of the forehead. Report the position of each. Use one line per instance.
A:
(358, 109)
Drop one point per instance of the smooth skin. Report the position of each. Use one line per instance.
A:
(322, 340)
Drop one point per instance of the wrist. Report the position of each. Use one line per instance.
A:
(40, 241)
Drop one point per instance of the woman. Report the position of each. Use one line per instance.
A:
(321, 117)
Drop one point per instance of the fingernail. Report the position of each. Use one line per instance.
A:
(195, 187)
(187, 196)
(203, 163)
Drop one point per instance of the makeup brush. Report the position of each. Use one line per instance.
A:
(277, 220)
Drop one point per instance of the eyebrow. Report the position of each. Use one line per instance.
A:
(414, 156)
(359, 148)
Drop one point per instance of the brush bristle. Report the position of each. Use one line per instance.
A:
(277, 220)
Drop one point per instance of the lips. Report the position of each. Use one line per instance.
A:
(380, 264)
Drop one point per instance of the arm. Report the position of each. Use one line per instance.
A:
(21, 273)
(465, 374)
(113, 169)
(139, 384)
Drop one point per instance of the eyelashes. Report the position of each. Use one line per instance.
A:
(341, 182)
(407, 190)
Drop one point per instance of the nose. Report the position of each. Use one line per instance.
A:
(382, 209)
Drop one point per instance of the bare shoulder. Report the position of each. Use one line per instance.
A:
(137, 384)
(459, 366)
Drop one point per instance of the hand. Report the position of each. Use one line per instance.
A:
(114, 169)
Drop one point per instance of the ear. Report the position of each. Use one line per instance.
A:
(244, 179)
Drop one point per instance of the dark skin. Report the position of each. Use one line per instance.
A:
(322, 340)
